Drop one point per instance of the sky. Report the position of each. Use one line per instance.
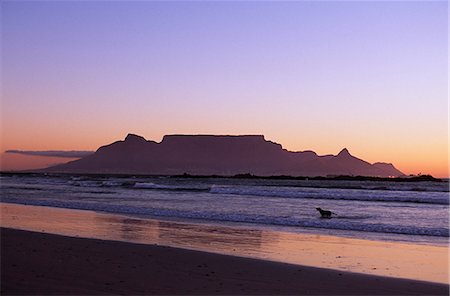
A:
(368, 76)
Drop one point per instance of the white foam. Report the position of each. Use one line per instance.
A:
(337, 194)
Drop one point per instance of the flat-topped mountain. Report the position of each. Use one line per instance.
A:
(218, 155)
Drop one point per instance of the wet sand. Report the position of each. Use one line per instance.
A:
(38, 263)
(382, 258)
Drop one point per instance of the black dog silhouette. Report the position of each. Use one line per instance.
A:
(324, 213)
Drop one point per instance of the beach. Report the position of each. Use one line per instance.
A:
(63, 251)
(224, 148)
(38, 263)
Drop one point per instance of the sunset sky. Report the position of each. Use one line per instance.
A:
(369, 76)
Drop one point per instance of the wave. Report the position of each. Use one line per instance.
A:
(85, 183)
(395, 187)
(373, 195)
(338, 194)
(350, 223)
(100, 183)
(171, 187)
(272, 190)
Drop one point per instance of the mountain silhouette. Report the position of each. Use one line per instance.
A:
(218, 155)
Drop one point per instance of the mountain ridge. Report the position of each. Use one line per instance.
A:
(219, 155)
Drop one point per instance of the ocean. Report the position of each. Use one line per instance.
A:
(416, 212)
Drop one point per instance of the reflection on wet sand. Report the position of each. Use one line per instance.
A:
(198, 236)
(422, 262)
(183, 235)
(128, 229)
(131, 230)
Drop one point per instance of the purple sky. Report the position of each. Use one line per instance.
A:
(370, 76)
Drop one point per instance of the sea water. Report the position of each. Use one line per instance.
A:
(416, 212)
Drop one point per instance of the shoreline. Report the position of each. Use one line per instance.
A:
(391, 259)
(405, 178)
(40, 263)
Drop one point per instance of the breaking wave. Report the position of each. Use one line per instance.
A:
(345, 223)
(171, 187)
(337, 194)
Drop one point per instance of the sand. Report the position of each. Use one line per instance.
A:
(420, 262)
(38, 263)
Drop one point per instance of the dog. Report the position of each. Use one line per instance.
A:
(324, 213)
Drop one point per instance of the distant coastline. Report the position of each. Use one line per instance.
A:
(222, 155)
(419, 178)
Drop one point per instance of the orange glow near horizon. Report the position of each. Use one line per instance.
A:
(308, 75)
(421, 159)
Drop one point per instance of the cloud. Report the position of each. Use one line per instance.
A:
(53, 153)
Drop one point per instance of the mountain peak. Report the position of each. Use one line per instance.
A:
(134, 138)
(384, 164)
(223, 155)
(344, 152)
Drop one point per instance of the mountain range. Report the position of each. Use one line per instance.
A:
(218, 155)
